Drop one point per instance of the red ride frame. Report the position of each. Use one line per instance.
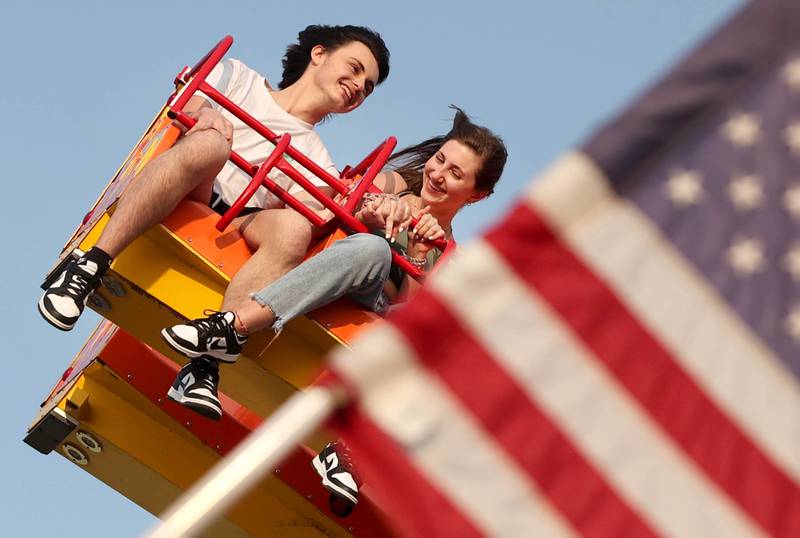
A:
(369, 167)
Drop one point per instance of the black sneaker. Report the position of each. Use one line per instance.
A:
(333, 465)
(195, 387)
(62, 303)
(213, 336)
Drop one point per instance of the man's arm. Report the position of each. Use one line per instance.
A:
(195, 103)
(315, 205)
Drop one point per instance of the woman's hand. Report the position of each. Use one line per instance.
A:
(386, 212)
(422, 236)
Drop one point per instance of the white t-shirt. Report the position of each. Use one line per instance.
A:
(247, 89)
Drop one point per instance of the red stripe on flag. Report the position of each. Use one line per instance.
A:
(415, 506)
(528, 436)
(642, 365)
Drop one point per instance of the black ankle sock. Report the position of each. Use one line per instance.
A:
(100, 258)
(207, 362)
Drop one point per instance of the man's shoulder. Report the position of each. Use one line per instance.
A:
(314, 140)
(240, 68)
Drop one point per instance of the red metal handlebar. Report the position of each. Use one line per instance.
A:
(381, 155)
(200, 71)
(254, 185)
(222, 46)
(362, 167)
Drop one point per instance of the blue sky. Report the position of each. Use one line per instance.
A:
(83, 79)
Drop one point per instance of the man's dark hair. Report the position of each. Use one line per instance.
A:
(298, 55)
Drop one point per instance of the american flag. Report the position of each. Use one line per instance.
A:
(620, 355)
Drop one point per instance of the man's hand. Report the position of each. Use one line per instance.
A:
(208, 118)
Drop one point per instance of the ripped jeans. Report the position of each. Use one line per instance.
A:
(357, 265)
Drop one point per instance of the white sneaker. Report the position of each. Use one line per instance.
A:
(335, 468)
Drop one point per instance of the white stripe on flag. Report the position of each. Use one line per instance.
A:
(442, 439)
(708, 339)
(649, 472)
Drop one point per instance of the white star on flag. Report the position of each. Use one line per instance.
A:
(792, 323)
(791, 73)
(742, 129)
(685, 188)
(792, 136)
(791, 200)
(746, 256)
(745, 192)
(791, 261)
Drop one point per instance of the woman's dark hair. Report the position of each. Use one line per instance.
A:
(298, 55)
(410, 161)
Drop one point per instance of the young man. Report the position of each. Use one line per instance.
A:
(330, 70)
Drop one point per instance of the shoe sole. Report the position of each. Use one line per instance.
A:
(201, 408)
(50, 319)
(195, 354)
(330, 486)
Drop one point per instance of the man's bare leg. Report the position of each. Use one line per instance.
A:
(281, 238)
(190, 165)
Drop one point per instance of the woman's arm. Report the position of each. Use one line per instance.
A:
(409, 286)
(420, 243)
(390, 182)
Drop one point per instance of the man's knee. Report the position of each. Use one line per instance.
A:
(204, 152)
(297, 234)
(281, 229)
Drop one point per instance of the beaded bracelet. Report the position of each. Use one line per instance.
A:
(372, 196)
(416, 262)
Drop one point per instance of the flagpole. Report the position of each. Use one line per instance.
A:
(261, 451)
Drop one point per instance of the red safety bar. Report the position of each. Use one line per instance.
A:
(194, 80)
(258, 180)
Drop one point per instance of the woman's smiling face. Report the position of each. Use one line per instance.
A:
(449, 176)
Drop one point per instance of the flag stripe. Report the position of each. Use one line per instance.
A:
(416, 506)
(528, 435)
(600, 418)
(741, 374)
(443, 440)
(671, 397)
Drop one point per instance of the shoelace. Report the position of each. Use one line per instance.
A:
(346, 460)
(75, 282)
(213, 324)
(209, 384)
(209, 373)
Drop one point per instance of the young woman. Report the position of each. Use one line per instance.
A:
(432, 181)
